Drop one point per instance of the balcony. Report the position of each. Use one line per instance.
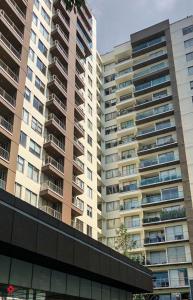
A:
(4, 154)
(126, 125)
(160, 180)
(159, 283)
(78, 129)
(155, 113)
(79, 94)
(79, 112)
(7, 98)
(58, 51)
(124, 100)
(126, 111)
(54, 145)
(150, 71)
(148, 46)
(56, 86)
(80, 64)
(78, 166)
(6, 124)
(85, 42)
(16, 9)
(77, 185)
(152, 85)
(51, 191)
(58, 68)
(160, 198)
(163, 259)
(53, 167)
(77, 224)
(162, 238)
(9, 72)
(128, 188)
(125, 61)
(52, 212)
(157, 98)
(154, 147)
(11, 26)
(2, 184)
(60, 18)
(77, 206)
(128, 173)
(80, 79)
(165, 215)
(58, 33)
(150, 59)
(154, 163)
(11, 50)
(80, 49)
(124, 85)
(133, 224)
(54, 103)
(156, 130)
(54, 123)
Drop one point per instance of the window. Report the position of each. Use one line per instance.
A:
(34, 148)
(90, 67)
(112, 189)
(191, 85)
(112, 173)
(187, 30)
(31, 54)
(112, 206)
(189, 56)
(33, 37)
(132, 222)
(89, 230)
(174, 233)
(110, 103)
(20, 164)
(89, 140)
(36, 126)
(33, 172)
(42, 48)
(110, 116)
(89, 192)
(110, 144)
(109, 78)
(188, 43)
(37, 3)
(131, 204)
(111, 158)
(110, 129)
(27, 94)
(89, 174)
(41, 66)
(128, 154)
(190, 70)
(176, 254)
(48, 3)
(29, 73)
(25, 115)
(18, 190)
(89, 109)
(89, 156)
(89, 81)
(113, 223)
(35, 19)
(129, 170)
(44, 32)
(89, 211)
(38, 105)
(89, 95)
(39, 85)
(89, 124)
(45, 16)
(23, 139)
(110, 90)
(30, 197)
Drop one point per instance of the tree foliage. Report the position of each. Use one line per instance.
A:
(74, 4)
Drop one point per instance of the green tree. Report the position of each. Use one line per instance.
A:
(74, 4)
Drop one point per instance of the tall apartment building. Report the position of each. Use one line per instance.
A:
(147, 151)
(49, 108)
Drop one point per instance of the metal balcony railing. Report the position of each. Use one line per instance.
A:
(79, 125)
(52, 212)
(154, 112)
(150, 57)
(6, 124)
(58, 28)
(78, 182)
(78, 143)
(155, 145)
(56, 61)
(50, 160)
(78, 203)
(166, 215)
(162, 197)
(150, 70)
(9, 71)
(57, 44)
(52, 138)
(170, 282)
(12, 2)
(152, 83)
(160, 96)
(52, 116)
(58, 81)
(78, 162)
(52, 186)
(11, 24)
(8, 97)
(156, 128)
(9, 46)
(2, 184)
(4, 153)
(55, 98)
(156, 161)
(159, 179)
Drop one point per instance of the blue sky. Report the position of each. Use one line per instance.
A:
(117, 19)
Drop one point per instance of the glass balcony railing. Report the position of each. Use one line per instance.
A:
(126, 125)
(78, 182)
(155, 111)
(170, 282)
(87, 41)
(157, 260)
(128, 188)
(78, 203)
(150, 70)
(8, 97)
(123, 72)
(170, 195)
(159, 179)
(150, 57)
(2, 184)
(152, 83)
(160, 237)
(52, 212)
(166, 215)
(52, 186)
(50, 160)
(124, 84)
(127, 140)
(156, 128)
(156, 161)
(133, 224)
(155, 97)
(155, 145)
(148, 44)
(126, 111)
(128, 172)
(78, 143)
